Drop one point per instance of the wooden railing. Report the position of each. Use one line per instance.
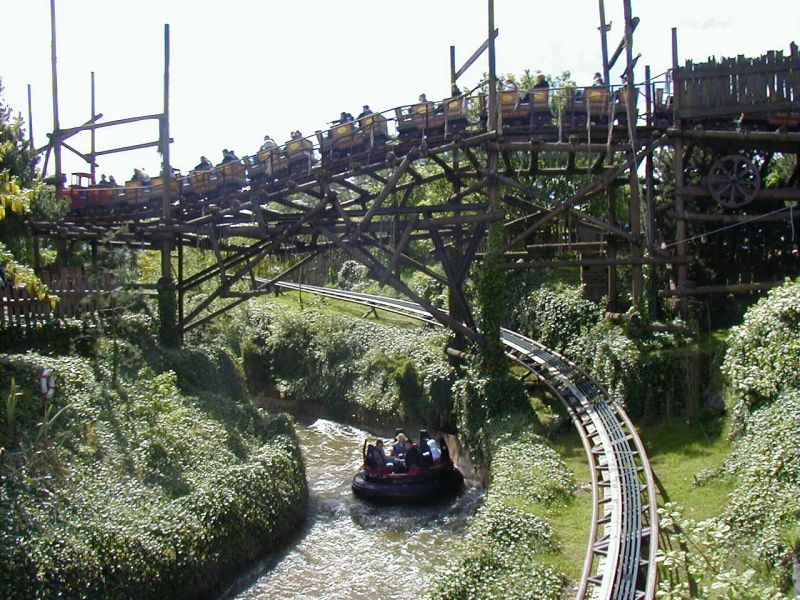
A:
(731, 86)
(72, 293)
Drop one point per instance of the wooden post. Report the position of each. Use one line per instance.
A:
(604, 41)
(452, 69)
(651, 201)
(93, 166)
(680, 201)
(167, 296)
(611, 251)
(56, 139)
(30, 136)
(637, 282)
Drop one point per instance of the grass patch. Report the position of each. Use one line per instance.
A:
(679, 450)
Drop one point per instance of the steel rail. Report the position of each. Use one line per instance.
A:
(620, 560)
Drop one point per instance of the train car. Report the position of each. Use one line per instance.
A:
(232, 175)
(266, 166)
(300, 155)
(429, 119)
(86, 196)
(367, 133)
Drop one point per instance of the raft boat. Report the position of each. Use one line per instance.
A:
(418, 484)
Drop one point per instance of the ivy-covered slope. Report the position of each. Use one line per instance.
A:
(501, 556)
(349, 365)
(148, 474)
(748, 550)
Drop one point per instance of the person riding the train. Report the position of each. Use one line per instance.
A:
(204, 164)
(268, 144)
(365, 111)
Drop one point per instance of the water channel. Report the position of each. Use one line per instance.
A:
(349, 548)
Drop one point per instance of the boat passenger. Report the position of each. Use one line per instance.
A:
(436, 453)
(399, 448)
(444, 450)
(375, 455)
(413, 456)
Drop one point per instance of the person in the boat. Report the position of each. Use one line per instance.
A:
(375, 455)
(413, 455)
(400, 446)
(444, 450)
(436, 453)
(426, 459)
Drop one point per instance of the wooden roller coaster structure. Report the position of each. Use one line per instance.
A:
(355, 190)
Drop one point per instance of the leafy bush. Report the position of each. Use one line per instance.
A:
(764, 352)
(499, 556)
(348, 364)
(748, 550)
(137, 485)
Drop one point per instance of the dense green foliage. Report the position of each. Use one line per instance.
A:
(149, 471)
(747, 551)
(764, 353)
(349, 365)
(648, 372)
(500, 557)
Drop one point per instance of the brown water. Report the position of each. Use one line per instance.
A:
(350, 548)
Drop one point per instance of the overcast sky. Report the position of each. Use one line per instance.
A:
(243, 68)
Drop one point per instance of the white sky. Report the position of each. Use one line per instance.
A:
(243, 68)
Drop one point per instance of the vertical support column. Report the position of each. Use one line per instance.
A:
(680, 201)
(180, 286)
(637, 282)
(167, 296)
(56, 139)
(453, 70)
(604, 41)
(30, 136)
(93, 166)
(611, 249)
(491, 285)
(651, 201)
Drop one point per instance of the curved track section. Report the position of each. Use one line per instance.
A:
(623, 539)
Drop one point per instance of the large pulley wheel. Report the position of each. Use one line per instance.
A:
(734, 181)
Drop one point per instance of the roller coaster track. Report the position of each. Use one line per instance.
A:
(623, 538)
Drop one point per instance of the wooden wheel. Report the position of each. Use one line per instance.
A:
(734, 181)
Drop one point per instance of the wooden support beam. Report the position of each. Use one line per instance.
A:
(588, 190)
(387, 189)
(592, 262)
(731, 219)
(736, 288)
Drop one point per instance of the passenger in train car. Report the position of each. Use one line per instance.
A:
(296, 135)
(204, 164)
(365, 112)
(422, 98)
(103, 181)
(509, 85)
(141, 176)
(268, 144)
(228, 156)
(541, 83)
(111, 181)
(597, 80)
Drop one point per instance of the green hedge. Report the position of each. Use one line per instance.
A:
(347, 364)
(500, 555)
(137, 487)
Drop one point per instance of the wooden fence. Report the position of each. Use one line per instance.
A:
(72, 293)
(731, 86)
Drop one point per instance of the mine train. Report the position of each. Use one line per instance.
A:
(368, 140)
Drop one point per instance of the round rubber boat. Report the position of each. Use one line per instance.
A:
(423, 484)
